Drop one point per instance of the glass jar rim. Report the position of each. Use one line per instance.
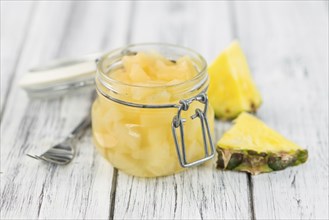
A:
(104, 57)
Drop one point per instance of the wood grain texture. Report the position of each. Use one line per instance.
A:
(31, 189)
(199, 193)
(286, 44)
(287, 47)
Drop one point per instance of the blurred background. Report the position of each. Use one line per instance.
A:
(53, 29)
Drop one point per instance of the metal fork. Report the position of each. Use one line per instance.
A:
(64, 152)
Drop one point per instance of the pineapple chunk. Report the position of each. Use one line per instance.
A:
(253, 147)
(231, 89)
(139, 141)
(137, 74)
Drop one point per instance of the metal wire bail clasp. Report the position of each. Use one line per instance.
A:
(178, 123)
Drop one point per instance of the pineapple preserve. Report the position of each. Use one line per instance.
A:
(151, 116)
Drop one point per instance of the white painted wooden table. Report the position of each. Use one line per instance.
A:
(287, 47)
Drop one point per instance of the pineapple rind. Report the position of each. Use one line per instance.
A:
(260, 162)
(302, 157)
(254, 147)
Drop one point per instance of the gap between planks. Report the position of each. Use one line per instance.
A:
(113, 192)
(234, 29)
(42, 196)
(199, 208)
(115, 170)
(251, 196)
(60, 47)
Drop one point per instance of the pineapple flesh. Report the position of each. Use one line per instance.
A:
(231, 89)
(251, 146)
(139, 141)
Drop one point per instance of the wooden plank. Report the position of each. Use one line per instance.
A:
(287, 47)
(31, 189)
(13, 35)
(21, 184)
(201, 192)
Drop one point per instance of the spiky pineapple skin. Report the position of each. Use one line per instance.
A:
(258, 162)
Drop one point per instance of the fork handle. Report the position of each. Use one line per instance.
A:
(78, 131)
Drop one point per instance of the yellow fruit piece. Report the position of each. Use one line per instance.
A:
(253, 147)
(250, 133)
(231, 89)
(139, 141)
(137, 74)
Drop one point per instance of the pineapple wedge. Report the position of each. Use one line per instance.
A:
(253, 147)
(232, 90)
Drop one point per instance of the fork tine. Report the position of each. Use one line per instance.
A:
(52, 158)
(37, 157)
(64, 152)
(58, 159)
(34, 157)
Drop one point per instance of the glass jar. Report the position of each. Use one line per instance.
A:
(154, 130)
